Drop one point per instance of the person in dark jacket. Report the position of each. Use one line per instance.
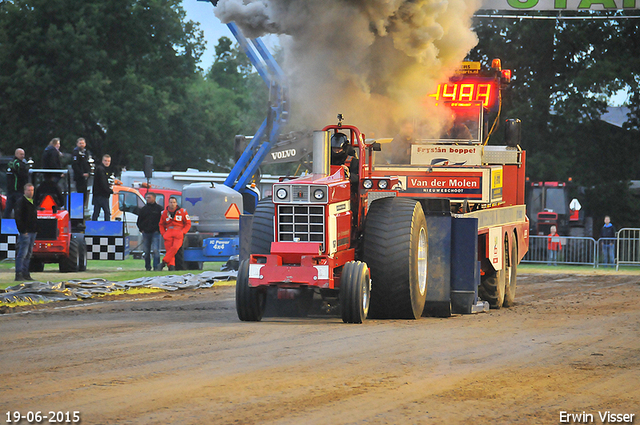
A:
(81, 168)
(17, 177)
(51, 155)
(342, 153)
(26, 217)
(102, 190)
(148, 223)
(608, 245)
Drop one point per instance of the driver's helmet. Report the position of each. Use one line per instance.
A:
(339, 141)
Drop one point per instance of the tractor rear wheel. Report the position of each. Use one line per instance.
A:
(396, 250)
(250, 301)
(492, 284)
(262, 227)
(511, 272)
(83, 256)
(72, 262)
(354, 292)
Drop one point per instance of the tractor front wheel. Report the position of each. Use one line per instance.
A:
(72, 262)
(82, 266)
(250, 302)
(354, 292)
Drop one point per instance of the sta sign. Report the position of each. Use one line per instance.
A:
(558, 5)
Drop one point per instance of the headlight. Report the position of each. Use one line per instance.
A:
(367, 184)
(318, 194)
(382, 184)
(281, 193)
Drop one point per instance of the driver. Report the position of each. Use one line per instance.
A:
(342, 153)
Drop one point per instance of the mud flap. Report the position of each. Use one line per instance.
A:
(465, 267)
(438, 302)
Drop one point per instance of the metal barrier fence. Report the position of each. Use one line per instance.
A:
(628, 247)
(575, 250)
(604, 252)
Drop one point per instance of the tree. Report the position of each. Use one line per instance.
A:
(564, 73)
(121, 73)
(233, 71)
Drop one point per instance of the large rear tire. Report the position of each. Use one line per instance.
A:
(354, 292)
(492, 284)
(82, 265)
(511, 272)
(262, 227)
(72, 262)
(250, 302)
(396, 250)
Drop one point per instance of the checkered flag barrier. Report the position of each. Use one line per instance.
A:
(105, 247)
(8, 246)
(98, 247)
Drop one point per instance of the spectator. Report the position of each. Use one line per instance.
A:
(174, 224)
(51, 155)
(608, 245)
(148, 223)
(554, 246)
(17, 177)
(81, 168)
(102, 190)
(27, 223)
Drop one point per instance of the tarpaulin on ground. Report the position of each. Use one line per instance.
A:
(73, 289)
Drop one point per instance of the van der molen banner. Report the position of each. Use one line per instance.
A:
(559, 5)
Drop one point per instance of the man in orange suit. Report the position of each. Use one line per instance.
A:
(174, 224)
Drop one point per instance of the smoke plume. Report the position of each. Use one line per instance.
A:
(375, 61)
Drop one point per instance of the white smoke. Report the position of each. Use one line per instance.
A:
(375, 61)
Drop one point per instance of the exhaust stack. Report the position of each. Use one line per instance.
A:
(321, 157)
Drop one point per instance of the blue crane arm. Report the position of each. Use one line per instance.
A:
(278, 112)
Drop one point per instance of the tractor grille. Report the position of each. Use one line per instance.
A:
(301, 223)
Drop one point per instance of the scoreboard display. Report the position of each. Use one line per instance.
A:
(469, 91)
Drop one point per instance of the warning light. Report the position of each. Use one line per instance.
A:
(233, 213)
(506, 75)
(496, 64)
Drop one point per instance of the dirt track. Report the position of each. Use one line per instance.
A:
(570, 344)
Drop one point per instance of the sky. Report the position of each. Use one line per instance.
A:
(202, 12)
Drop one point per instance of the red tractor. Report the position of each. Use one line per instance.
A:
(438, 232)
(60, 237)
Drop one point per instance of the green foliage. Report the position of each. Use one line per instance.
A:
(564, 73)
(121, 73)
(232, 70)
